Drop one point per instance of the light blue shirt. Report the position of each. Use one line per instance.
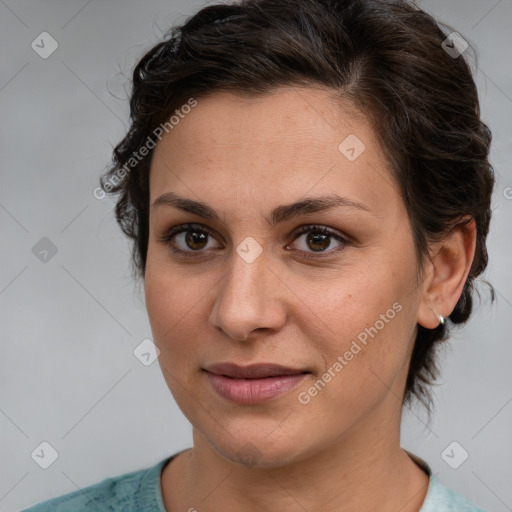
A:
(140, 491)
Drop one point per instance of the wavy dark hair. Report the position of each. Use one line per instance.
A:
(388, 58)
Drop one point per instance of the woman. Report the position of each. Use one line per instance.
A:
(307, 186)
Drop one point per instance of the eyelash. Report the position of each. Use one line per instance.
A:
(314, 228)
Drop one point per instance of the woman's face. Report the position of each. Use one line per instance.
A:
(249, 289)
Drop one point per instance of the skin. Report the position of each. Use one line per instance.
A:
(341, 451)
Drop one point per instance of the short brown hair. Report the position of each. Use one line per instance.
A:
(387, 58)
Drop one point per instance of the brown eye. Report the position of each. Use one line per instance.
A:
(318, 240)
(195, 239)
(192, 240)
(187, 239)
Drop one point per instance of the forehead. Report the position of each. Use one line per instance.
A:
(293, 114)
(292, 142)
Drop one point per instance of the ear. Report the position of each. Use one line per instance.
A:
(451, 261)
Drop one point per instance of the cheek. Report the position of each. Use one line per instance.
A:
(369, 338)
(168, 301)
(169, 295)
(358, 376)
(170, 305)
(178, 312)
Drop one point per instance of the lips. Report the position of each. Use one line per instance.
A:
(254, 371)
(254, 384)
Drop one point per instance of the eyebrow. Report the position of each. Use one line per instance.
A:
(277, 215)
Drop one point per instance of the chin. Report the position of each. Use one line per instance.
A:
(258, 449)
(257, 456)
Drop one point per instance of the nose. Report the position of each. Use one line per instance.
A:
(250, 299)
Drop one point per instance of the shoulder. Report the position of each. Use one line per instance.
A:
(138, 490)
(441, 498)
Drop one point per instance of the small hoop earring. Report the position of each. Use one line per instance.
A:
(439, 317)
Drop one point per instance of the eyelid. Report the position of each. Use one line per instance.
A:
(170, 233)
(330, 232)
(183, 228)
(343, 239)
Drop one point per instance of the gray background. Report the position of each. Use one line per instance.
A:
(69, 325)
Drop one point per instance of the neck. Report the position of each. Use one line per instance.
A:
(360, 472)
